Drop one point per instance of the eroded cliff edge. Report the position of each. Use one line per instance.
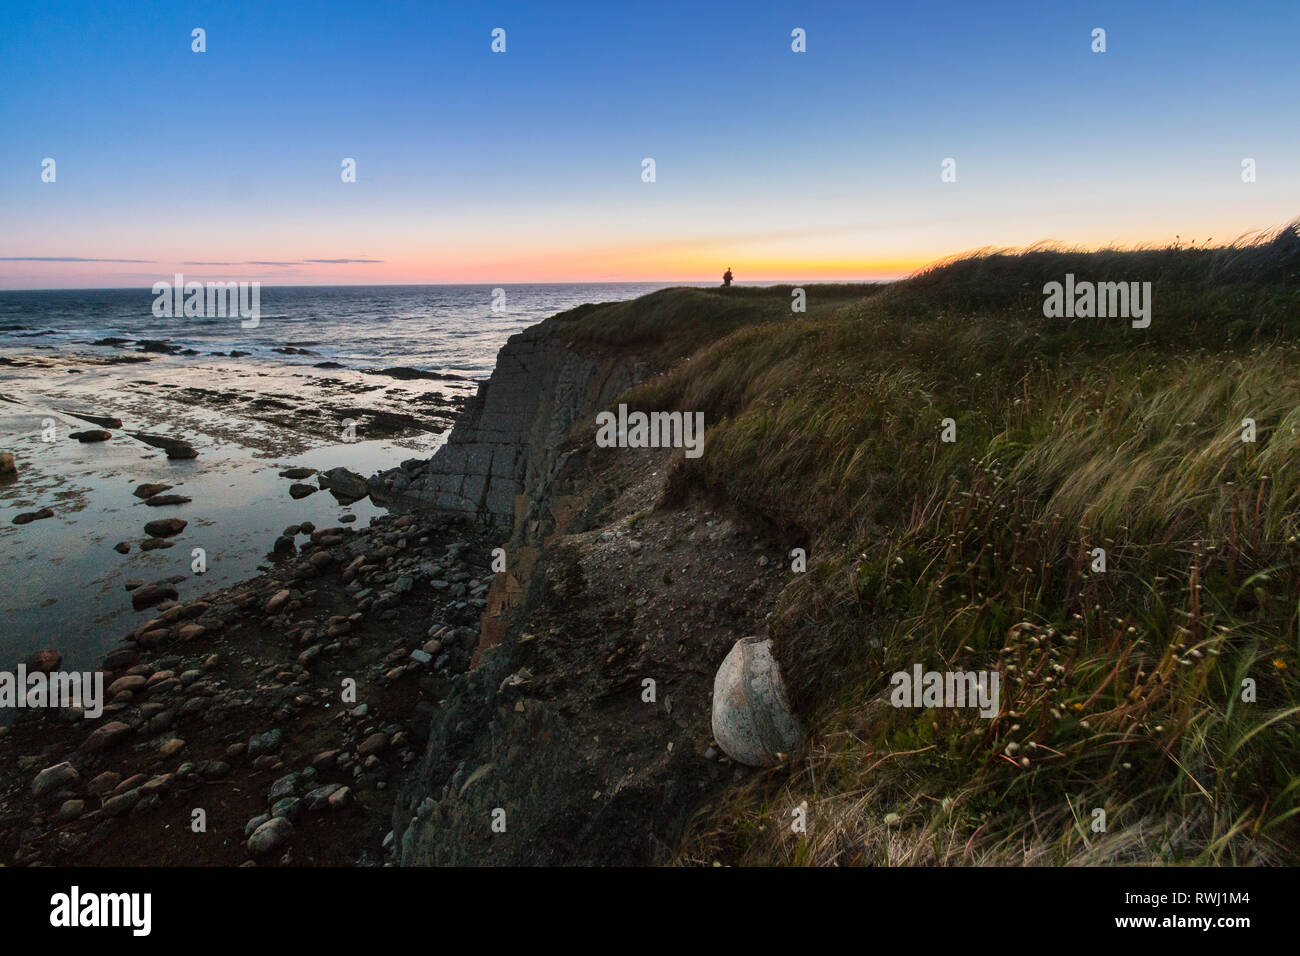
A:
(582, 734)
(505, 443)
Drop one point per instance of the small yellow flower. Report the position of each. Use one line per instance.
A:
(1279, 664)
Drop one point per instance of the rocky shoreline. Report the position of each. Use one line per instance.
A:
(284, 709)
(548, 703)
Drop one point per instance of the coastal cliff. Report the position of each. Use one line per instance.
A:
(917, 476)
(551, 749)
(505, 442)
(926, 477)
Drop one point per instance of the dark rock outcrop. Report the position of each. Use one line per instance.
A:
(507, 441)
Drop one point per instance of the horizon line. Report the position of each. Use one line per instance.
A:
(666, 283)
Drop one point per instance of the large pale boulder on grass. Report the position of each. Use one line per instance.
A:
(752, 722)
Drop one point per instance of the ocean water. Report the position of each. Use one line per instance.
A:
(62, 584)
(450, 329)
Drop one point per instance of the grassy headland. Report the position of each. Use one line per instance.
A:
(1122, 690)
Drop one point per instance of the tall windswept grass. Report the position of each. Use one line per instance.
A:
(1161, 690)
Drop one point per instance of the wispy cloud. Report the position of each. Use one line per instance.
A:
(246, 262)
(67, 259)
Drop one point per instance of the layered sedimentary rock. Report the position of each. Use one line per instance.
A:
(507, 440)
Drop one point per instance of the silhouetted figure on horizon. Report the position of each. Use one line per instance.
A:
(726, 277)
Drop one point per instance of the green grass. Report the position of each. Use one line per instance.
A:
(1122, 690)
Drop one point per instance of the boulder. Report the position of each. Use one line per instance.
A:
(152, 594)
(347, 486)
(175, 447)
(165, 527)
(752, 721)
(27, 517)
(148, 491)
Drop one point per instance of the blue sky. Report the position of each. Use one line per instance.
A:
(523, 166)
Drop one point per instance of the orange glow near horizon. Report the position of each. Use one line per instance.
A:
(393, 253)
(578, 266)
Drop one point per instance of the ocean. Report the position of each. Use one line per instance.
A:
(450, 329)
(321, 382)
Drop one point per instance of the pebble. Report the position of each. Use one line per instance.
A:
(286, 786)
(158, 501)
(159, 784)
(106, 736)
(106, 782)
(70, 810)
(120, 804)
(130, 783)
(319, 798)
(265, 743)
(214, 770)
(270, 836)
(288, 807)
(54, 778)
(130, 683)
(277, 601)
(325, 759)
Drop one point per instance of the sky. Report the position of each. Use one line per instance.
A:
(527, 165)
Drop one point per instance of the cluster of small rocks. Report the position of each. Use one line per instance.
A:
(89, 787)
(332, 609)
